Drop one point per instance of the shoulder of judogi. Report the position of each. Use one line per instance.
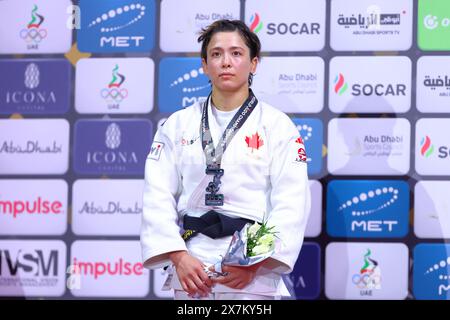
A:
(186, 119)
(277, 121)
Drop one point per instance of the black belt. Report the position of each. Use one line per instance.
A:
(212, 224)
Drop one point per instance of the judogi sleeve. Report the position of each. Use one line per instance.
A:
(160, 232)
(290, 194)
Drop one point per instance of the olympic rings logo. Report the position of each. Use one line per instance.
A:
(366, 281)
(33, 35)
(118, 95)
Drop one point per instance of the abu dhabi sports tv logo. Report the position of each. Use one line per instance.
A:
(111, 147)
(367, 208)
(431, 272)
(366, 25)
(182, 83)
(118, 26)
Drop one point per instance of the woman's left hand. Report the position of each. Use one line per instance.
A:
(237, 277)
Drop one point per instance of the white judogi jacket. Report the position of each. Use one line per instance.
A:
(265, 178)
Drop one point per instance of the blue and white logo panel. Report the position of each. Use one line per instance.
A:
(431, 271)
(368, 208)
(181, 84)
(117, 26)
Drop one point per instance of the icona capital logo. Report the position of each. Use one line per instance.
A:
(255, 23)
(340, 86)
(426, 147)
(33, 34)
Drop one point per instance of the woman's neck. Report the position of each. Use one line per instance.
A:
(228, 101)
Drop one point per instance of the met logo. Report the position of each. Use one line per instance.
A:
(311, 131)
(431, 271)
(182, 83)
(118, 26)
(367, 208)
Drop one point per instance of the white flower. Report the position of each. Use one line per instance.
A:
(260, 249)
(253, 229)
(266, 240)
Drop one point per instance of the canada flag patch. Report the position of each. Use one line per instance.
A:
(301, 153)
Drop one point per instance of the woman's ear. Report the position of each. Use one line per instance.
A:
(255, 62)
(204, 66)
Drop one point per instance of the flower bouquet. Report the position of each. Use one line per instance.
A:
(253, 244)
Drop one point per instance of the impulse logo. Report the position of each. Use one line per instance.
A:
(340, 86)
(369, 276)
(38, 206)
(128, 26)
(98, 269)
(255, 23)
(426, 148)
(114, 94)
(34, 34)
(367, 208)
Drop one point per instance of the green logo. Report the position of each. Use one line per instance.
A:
(434, 25)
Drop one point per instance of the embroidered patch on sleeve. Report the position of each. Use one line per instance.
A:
(155, 150)
(301, 153)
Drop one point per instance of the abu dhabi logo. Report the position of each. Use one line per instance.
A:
(340, 86)
(255, 23)
(133, 14)
(369, 276)
(113, 136)
(33, 34)
(426, 147)
(444, 278)
(115, 93)
(370, 196)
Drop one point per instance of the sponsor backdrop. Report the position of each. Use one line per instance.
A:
(85, 84)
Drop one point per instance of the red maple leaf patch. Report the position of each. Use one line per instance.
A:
(254, 141)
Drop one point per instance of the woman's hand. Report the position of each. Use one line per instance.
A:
(238, 277)
(191, 274)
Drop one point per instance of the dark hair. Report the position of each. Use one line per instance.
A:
(250, 38)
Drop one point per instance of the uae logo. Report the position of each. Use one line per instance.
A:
(33, 34)
(369, 276)
(115, 93)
